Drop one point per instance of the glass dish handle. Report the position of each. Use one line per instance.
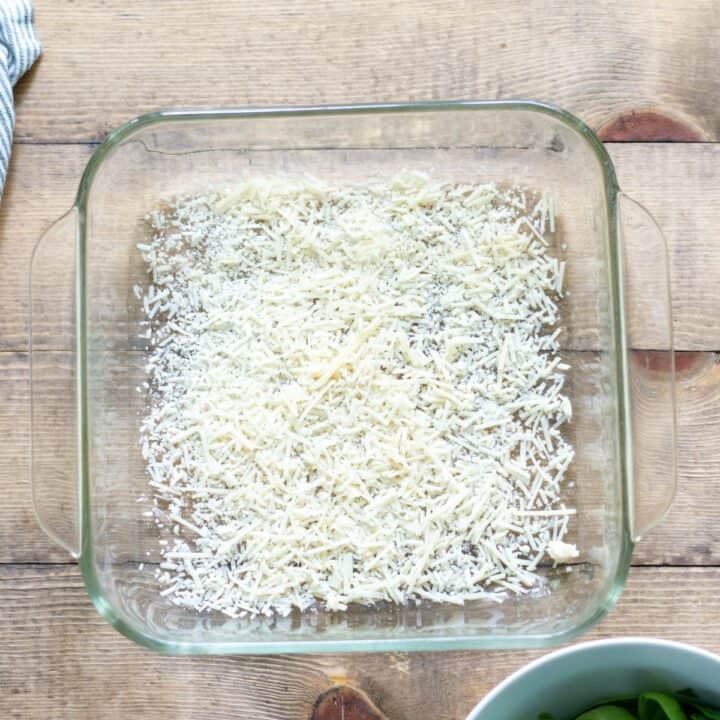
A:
(651, 366)
(53, 378)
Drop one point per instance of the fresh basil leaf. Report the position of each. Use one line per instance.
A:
(606, 712)
(626, 702)
(659, 706)
(545, 716)
(689, 699)
(708, 712)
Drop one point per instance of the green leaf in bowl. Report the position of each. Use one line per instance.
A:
(626, 702)
(606, 712)
(659, 706)
(689, 700)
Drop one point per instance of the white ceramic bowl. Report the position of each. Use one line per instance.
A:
(566, 682)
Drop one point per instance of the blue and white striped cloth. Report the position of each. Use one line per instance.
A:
(19, 49)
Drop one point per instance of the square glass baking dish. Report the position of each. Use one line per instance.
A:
(88, 357)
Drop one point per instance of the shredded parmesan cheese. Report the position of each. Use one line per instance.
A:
(562, 552)
(355, 394)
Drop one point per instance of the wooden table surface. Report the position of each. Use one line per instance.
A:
(644, 71)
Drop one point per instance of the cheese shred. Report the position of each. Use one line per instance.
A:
(355, 394)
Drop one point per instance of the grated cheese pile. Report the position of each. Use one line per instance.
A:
(355, 394)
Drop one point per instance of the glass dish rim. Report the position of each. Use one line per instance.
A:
(617, 316)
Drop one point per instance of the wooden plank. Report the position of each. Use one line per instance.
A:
(689, 536)
(595, 59)
(678, 184)
(20, 535)
(41, 187)
(61, 660)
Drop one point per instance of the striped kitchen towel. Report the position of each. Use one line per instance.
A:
(19, 48)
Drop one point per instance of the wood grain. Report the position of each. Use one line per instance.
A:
(648, 126)
(675, 184)
(105, 61)
(343, 702)
(679, 185)
(41, 187)
(20, 535)
(689, 535)
(60, 660)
